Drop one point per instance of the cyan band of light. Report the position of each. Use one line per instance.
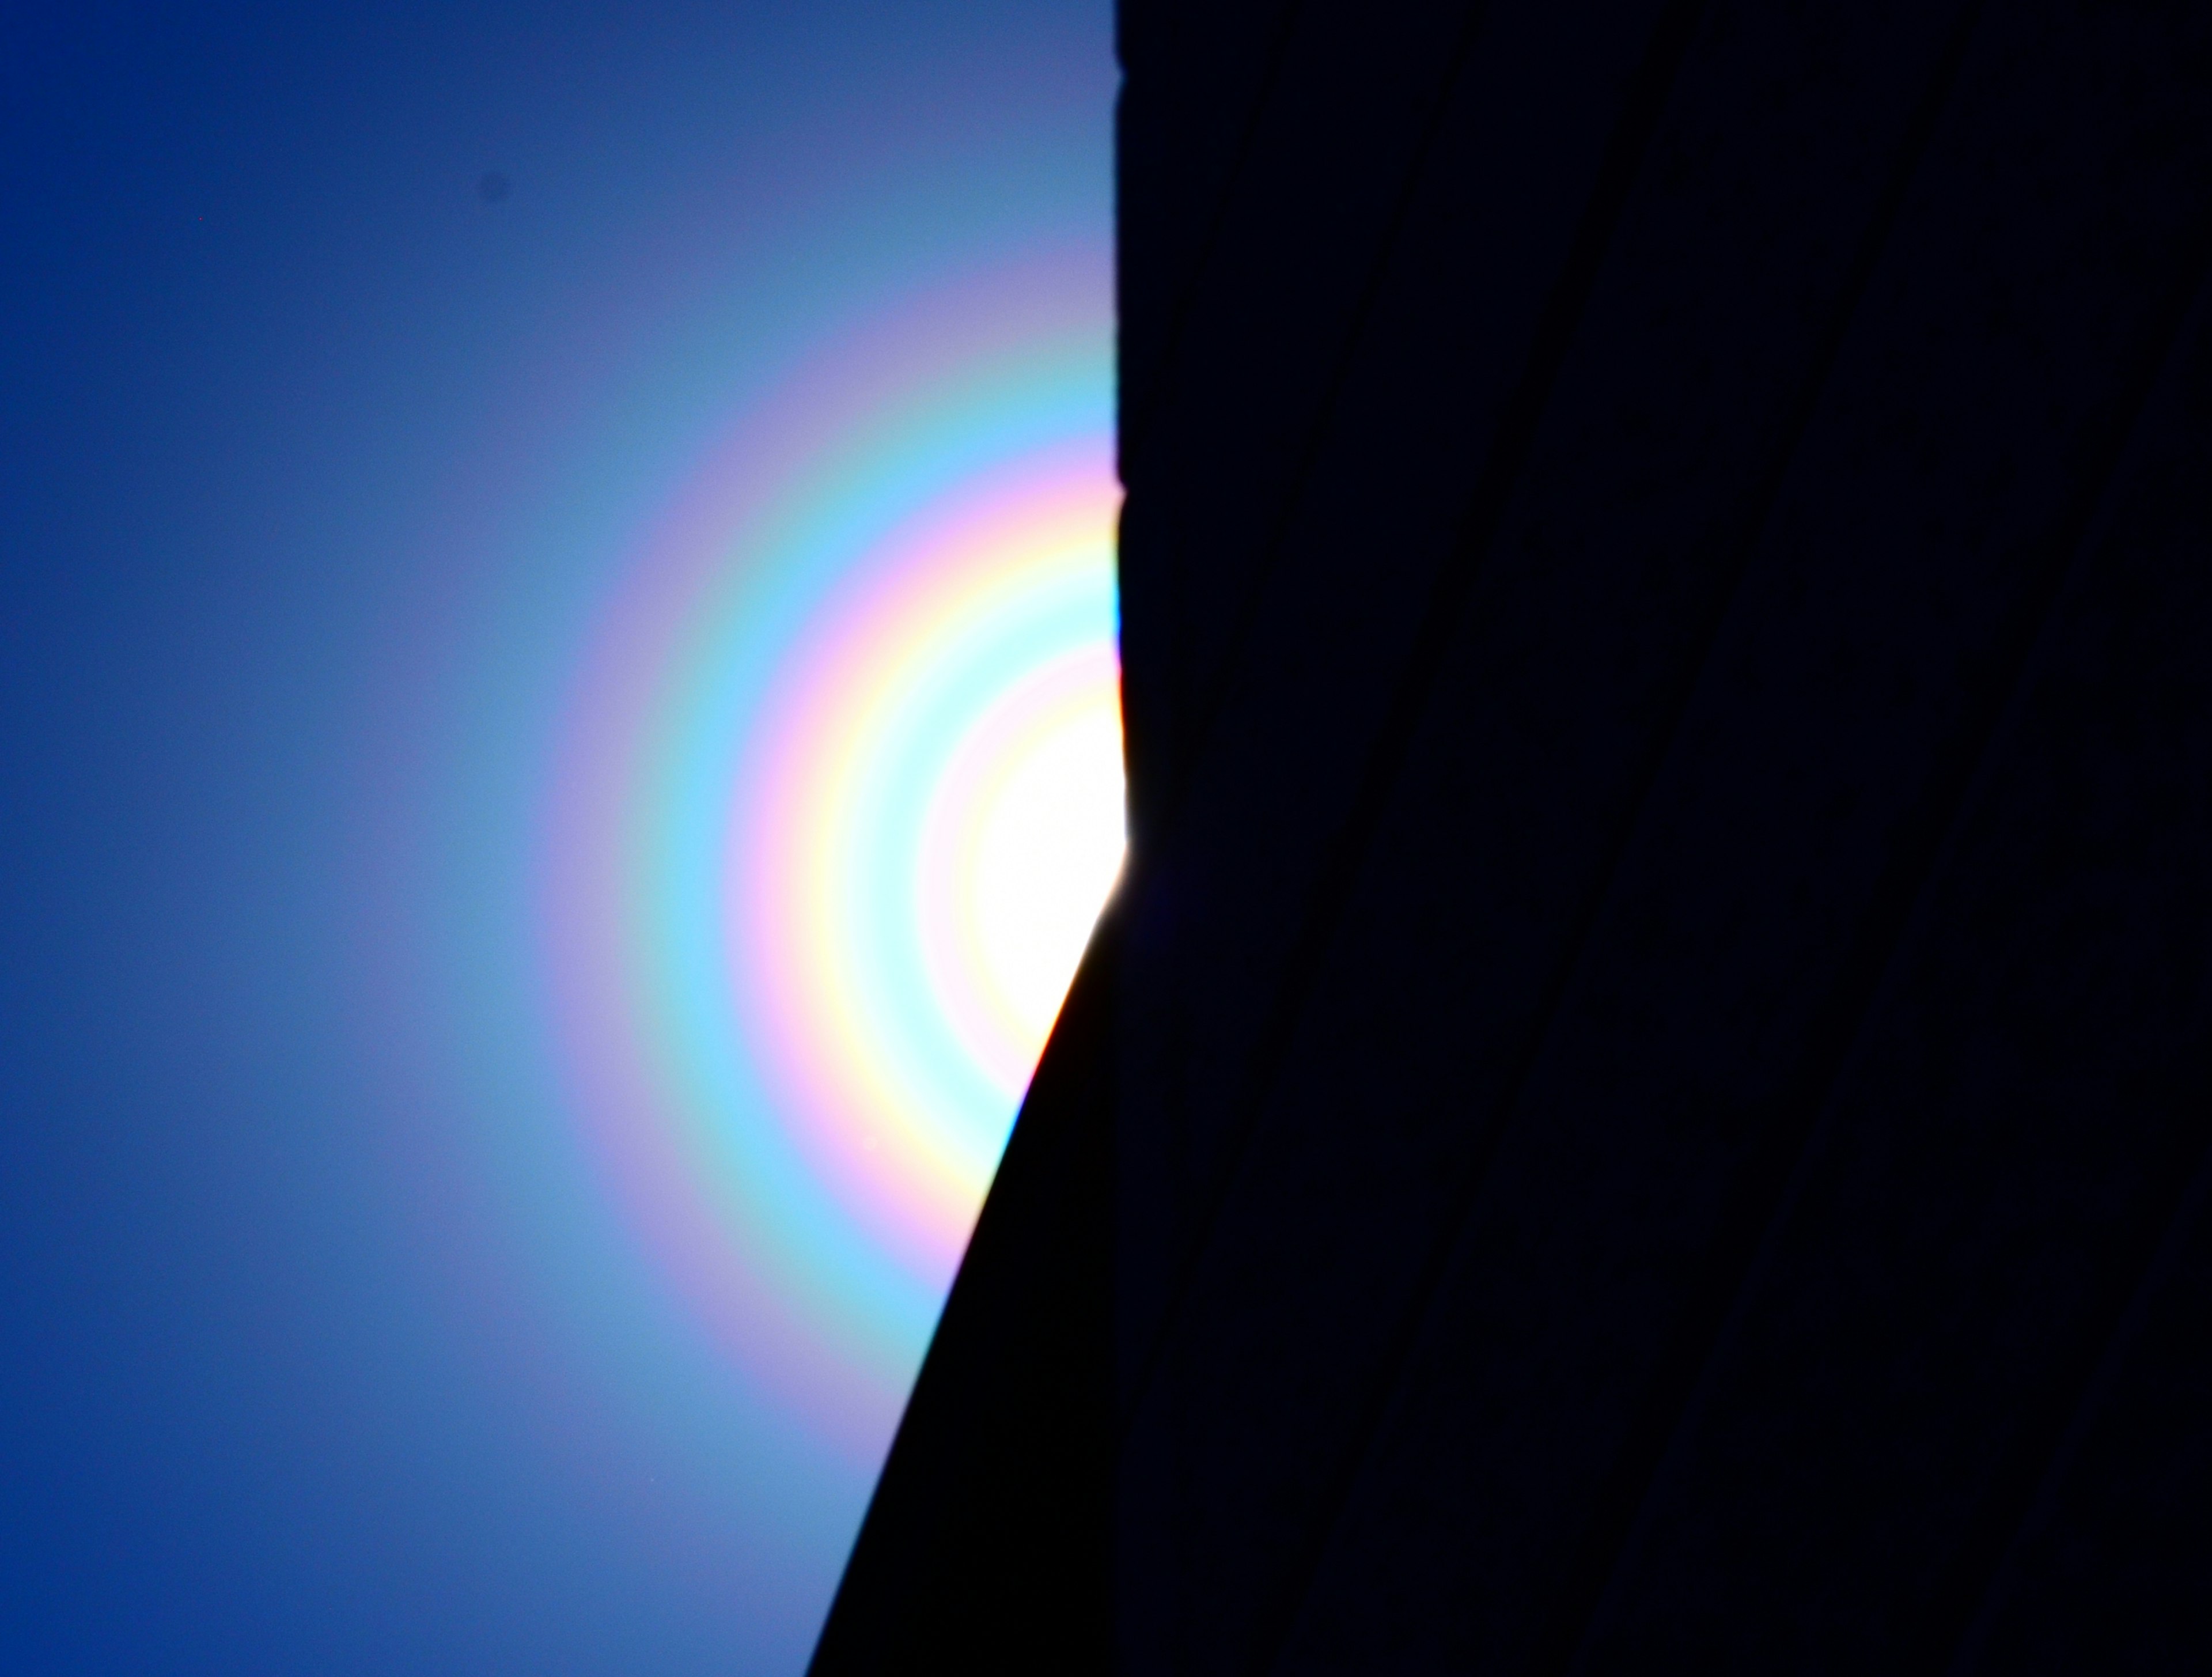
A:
(868, 650)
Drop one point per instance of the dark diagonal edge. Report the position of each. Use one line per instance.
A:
(1000, 1322)
(1768, 1185)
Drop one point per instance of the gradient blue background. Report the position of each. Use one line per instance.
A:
(310, 461)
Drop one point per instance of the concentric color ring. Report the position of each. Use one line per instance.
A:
(835, 799)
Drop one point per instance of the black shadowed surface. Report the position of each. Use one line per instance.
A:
(1657, 1033)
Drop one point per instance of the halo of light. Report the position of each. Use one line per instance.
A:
(836, 799)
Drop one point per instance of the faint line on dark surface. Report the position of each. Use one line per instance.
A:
(1515, 440)
(1771, 1180)
(1158, 377)
(1643, 105)
(1582, 1594)
(1228, 664)
(2002, 1576)
(1956, 1622)
(1233, 649)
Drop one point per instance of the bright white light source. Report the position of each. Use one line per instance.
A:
(1020, 850)
(1048, 847)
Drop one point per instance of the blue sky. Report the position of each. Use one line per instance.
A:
(339, 347)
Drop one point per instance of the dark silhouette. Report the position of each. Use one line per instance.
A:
(1645, 1103)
